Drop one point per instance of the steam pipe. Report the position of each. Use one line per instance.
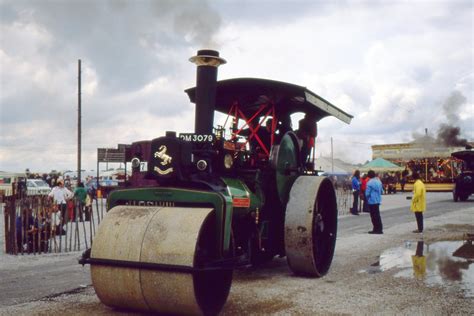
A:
(207, 62)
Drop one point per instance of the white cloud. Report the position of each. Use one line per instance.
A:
(390, 64)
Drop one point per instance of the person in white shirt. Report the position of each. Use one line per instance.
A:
(60, 195)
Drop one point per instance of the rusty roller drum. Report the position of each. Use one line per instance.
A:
(162, 235)
(311, 226)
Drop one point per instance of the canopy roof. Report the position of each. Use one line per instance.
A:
(466, 155)
(288, 98)
(380, 164)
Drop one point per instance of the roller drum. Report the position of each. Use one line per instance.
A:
(311, 226)
(163, 235)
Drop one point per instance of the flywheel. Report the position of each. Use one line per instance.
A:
(287, 163)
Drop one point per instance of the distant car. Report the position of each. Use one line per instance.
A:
(464, 182)
(105, 185)
(102, 183)
(37, 187)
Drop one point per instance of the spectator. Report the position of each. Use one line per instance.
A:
(391, 184)
(92, 190)
(373, 194)
(403, 180)
(385, 183)
(80, 195)
(67, 183)
(21, 189)
(334, 181)
(355, 181)
(25, 227)
(418, 202)
(48, 180)
(54, 181)
(60, 195)
(363, 187)
(31, 233)
(88, 208)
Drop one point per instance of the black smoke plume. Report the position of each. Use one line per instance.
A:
(449, 136)
(449, 133)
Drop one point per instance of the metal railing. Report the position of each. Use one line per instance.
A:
(344, 200)
(34, 225)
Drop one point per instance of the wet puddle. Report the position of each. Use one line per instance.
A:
(445, 263)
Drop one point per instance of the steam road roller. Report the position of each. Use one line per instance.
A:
(199, 205)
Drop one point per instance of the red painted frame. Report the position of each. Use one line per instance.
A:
(237, 113)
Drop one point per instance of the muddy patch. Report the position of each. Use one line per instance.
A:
(448, 232)
(448, 264)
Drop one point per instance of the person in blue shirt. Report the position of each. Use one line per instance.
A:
(373, 193)
(355, 192)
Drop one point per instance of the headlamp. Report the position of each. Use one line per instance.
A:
(201, 165)
(135, 162)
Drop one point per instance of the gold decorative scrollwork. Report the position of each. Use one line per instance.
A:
(163, 172)
(165, 160)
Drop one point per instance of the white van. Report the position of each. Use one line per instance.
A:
(7, 179)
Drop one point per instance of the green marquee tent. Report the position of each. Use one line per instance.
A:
(380, 164)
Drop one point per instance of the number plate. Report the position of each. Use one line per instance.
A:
(197, 138)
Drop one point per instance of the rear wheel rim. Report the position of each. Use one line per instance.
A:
(324, 227)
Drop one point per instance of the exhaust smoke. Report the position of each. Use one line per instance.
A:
(449, 133)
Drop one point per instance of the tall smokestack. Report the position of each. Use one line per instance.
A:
(207, 62)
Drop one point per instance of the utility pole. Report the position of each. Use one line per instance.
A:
(332, 158)
(79, 122)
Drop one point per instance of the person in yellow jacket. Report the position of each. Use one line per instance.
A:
(418, 202)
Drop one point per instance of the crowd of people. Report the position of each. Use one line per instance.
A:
(61, 206)
(390, 182)
(369, 188)
(53, 178)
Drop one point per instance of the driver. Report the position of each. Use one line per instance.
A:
(306, 132)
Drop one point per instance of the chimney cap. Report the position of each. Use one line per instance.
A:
(208, 52)
(207, 57)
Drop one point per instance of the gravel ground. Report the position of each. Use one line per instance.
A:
(347, 289)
